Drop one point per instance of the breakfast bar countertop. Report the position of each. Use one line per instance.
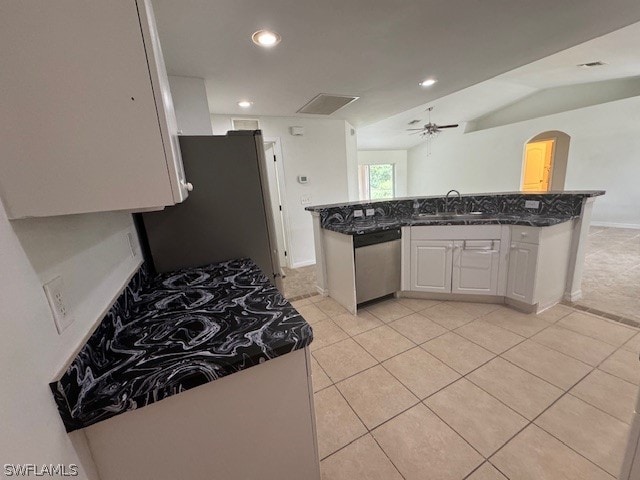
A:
(504, 208)
(359, 227)
(176, 331)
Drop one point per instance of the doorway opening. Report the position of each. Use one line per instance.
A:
(275, 180)
(544, 166)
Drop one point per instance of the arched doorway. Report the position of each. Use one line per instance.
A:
(544, 166)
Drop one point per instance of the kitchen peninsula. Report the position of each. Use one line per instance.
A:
(522, 249)
(205, 370)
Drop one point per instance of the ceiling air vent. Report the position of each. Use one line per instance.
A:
(245, 124)
(592, 64)
(325, 104)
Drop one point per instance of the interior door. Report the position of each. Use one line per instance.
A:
(537, 166)
(276, 200)
(475, 267)
(523, 259)
(431, 262)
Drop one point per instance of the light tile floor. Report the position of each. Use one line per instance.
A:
(417, 389)
(611, 277)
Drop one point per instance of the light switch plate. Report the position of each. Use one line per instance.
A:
(370, 212)
(531, 203)
(54, 290)
(357, 213)
(305, 199)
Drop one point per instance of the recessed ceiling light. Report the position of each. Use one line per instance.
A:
(266, 38)
(428, 82)
(244, 104)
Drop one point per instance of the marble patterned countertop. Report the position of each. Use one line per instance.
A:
(510, 208)
(174, 332)
(360, 227)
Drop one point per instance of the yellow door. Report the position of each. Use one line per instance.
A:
(537, 166)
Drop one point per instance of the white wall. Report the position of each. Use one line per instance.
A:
(603, 154)
(352, 161)
(321, 154)
(559, 99)
(91, 252)
(397, 157)
(190, 102)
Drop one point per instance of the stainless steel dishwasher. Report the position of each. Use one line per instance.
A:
(377, 258)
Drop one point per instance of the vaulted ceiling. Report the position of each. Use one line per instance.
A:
(537, 82)
(376, 49)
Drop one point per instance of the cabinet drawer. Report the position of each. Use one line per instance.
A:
(525, 234)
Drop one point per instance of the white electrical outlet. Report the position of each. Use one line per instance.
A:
(132, 245)
(531, 203)
(357, 213)
(54, 290)
(370, 212)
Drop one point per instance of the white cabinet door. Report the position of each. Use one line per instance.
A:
(475, 267)
(521, 280)
(431, 262)
(86, 121)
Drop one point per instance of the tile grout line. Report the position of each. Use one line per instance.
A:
(566, 392)
(420, 400)
(378, 362)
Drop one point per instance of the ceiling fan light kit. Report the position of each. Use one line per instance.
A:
(429, 129)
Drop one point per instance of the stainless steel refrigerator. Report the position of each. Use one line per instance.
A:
(228, 213)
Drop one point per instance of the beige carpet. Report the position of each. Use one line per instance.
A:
(299, 282)
(611, 278)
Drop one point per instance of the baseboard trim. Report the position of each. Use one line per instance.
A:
(573, 296)
(306, 263)
(634, 226)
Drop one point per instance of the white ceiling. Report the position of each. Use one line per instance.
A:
(620, 50)
(376, 49)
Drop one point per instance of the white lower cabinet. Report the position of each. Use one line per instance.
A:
(524, 266)
(475, 267)
(431, 262)
(539, 264)
(455, 266)
(521, 278)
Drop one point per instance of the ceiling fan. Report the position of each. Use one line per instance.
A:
(429, 129)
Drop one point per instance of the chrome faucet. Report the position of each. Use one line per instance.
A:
(446, 199)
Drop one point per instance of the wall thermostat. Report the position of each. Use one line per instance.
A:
(296, 131)
(303, 179)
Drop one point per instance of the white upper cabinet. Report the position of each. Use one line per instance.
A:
(87, 121)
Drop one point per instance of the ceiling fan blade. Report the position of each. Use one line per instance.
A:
(415, 133)
(448, 126)
(410, 129)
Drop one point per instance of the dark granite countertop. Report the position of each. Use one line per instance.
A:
(377, 224)
(517, 208)
(553, 193)
(174, 332)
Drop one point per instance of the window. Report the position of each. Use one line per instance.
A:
(376, 181)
